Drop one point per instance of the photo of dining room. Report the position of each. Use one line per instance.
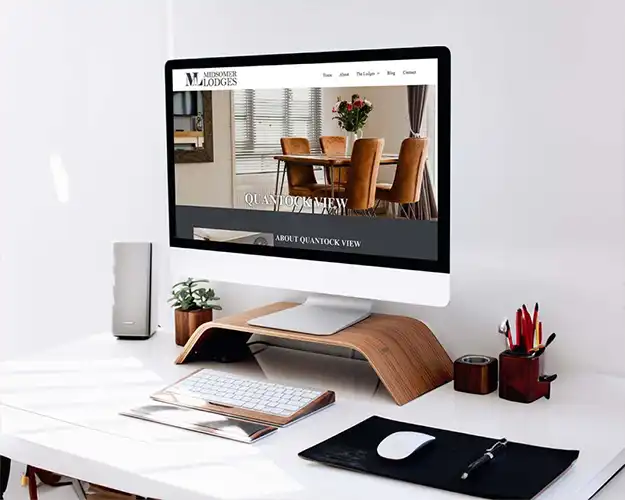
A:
(347, 151)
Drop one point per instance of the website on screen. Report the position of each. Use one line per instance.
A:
(339, 157)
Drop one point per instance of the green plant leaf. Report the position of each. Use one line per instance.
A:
(189, 295)
(179, 284)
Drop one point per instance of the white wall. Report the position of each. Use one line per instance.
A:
(78, 66)
(530, 158)
(527, 153)
(210, 184)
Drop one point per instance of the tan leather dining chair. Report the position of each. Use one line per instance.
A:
(406, 186)
(363, 173)
(334, 145)
(300, 178)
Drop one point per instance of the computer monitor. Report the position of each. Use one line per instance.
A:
(326, 173)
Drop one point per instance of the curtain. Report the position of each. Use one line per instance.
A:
(417, 97)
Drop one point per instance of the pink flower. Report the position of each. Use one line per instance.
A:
(358, 103)
(349, 106)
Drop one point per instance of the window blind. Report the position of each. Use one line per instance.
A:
(263, 116)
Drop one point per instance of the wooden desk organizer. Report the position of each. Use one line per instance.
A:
(403, 351)
(521, 378)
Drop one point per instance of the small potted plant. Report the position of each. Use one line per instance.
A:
(193, 306)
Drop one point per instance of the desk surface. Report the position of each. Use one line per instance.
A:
(59, 411)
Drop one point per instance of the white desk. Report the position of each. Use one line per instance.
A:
(59, 412)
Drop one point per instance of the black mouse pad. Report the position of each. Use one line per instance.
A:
(519, 472)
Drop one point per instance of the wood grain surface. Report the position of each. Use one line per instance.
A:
(330, 161)
(403, 351)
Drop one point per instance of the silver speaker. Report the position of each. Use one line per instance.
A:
(132, 291)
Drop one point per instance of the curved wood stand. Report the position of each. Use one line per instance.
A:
(403, 351)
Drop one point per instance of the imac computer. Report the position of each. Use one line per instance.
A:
(327, 173)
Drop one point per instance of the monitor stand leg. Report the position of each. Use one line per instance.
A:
(317, 315)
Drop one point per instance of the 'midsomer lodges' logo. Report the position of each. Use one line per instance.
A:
(211, 79)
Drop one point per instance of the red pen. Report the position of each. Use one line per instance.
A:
(527, 330)
(519, 328)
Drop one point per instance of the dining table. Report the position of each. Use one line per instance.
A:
(328, 162)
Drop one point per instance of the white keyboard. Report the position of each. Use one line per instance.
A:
(223, 389)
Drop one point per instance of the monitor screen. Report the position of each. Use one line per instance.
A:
(334, 156)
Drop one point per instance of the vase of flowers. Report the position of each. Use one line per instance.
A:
(352, 116)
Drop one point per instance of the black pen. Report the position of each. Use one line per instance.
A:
(485, 458)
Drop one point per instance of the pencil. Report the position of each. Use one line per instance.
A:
(535, 326)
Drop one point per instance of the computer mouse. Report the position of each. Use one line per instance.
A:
(400, 445)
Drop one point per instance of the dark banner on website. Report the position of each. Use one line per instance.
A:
(394, 237)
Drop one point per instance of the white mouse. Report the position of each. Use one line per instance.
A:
(400, 445)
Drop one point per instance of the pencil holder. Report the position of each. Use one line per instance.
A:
(521, 378)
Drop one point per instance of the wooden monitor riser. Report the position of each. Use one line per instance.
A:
(403, 351)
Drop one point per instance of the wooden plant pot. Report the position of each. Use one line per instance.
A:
(186, 322)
